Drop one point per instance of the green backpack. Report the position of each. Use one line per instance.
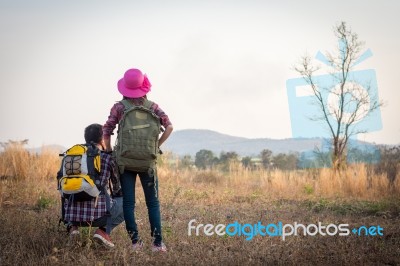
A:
(136, 147)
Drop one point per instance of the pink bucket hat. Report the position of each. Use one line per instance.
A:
(134, 84)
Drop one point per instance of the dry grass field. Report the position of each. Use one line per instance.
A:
(30, 235)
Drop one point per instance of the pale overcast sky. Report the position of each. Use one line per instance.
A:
(219, 65)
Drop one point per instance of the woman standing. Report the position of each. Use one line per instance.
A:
(134, 87)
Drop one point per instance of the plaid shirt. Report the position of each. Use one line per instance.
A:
(117, 111)
(86, 211)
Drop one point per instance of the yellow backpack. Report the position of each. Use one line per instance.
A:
(79, 173)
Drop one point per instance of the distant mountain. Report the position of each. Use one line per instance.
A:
(190, 141)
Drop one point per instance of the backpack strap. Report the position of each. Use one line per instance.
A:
(92, 152)
(108, 208)
(147, 104)
(128, 104)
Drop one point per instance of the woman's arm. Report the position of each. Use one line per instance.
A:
(165, 135)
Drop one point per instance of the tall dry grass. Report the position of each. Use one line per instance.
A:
(355, 182)
(30, 207)
(27, 177)
(19, 164)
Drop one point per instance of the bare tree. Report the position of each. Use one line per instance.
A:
(350, 101)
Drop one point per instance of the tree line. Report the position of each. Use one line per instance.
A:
(206, 159)
(383, 159)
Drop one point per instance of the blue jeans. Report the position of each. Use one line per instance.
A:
(117, 215)
(149, 183)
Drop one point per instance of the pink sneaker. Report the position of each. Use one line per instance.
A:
(103, 238)
(138, 245)
(159, 248)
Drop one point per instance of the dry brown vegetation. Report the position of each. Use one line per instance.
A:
(29, 213)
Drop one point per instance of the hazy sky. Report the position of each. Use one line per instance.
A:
(219, 65)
